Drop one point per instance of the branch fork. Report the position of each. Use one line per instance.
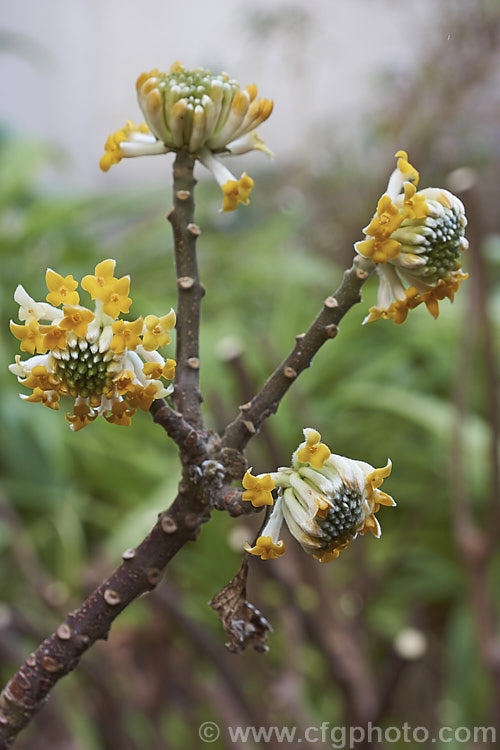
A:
(210, 463)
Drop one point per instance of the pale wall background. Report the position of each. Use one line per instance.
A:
(319, 60)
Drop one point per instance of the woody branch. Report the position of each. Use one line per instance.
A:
(209, 465)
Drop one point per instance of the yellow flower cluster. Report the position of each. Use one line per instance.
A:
(109, 366)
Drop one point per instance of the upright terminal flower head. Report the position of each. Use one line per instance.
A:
(109, 367)
(325, 499)
(196, 111)
(415, 239)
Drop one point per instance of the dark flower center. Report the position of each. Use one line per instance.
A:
(83, 370)
(342, 520)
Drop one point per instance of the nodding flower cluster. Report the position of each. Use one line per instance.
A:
(415, 239)
(109, 367)
(196, 111)
(326, 501)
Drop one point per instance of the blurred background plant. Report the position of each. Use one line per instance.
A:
(402, 629)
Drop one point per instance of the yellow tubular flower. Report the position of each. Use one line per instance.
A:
(445, 288)
(141, 397)
(61, 289)
(374, 481)
(126, 335)
(326, 502)
(155, 370)
(112, 292)
(102, 283)
(30, 337)
(387, 219)
(396, 311)
(168, 370)
(312, 451)
(331, 554)
(99, 362)
(379, 250)
(236, 191)
(415, 241)
(124, 382)
(258, 489)
(196, 111)
(41, 378)
(81, 417)
(47, 398)
(77, 320)
(414, 206)
(121, 414)
(408, 171)
(53, 337)
(117, 301)
(266, 549)
(112, 153)
(157, 331)
(152, 370)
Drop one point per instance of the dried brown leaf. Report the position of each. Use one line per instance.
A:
(243, 623)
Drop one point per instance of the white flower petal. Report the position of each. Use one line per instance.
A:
(249, 142)
(105, 339)
(275, 521)
(219, 171)
(31, 310)
(131, 149)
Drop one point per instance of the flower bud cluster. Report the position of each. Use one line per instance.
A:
(207, 115)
